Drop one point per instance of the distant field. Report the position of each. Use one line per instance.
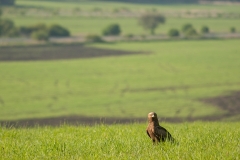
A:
(86, 26)
(111, 5)
(195, 141)
(90, 17)
(177, 79)
(171, 79)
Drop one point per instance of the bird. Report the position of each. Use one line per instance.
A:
(156, 132)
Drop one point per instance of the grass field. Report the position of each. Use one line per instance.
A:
(111, 5)
(179, 79)
(93, 25)
(195, 141)
(171, 79)
(91, 17)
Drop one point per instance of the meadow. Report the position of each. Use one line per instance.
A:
(175, 78)
(91, 17)
(84, 26)
(170, 78)
(198, 140)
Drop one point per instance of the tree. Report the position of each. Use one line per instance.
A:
(56, 30)
(204, 29)
(150, 21)
(6, 26)
(113, 29)
(173, 33)
(232, 29)
(7, 2)
(188, 30)
(41, 35)
(191, 32)
(13, 32)
(28, 30)
(186, 27)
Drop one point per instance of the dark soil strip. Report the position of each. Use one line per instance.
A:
(55, 52)
(184, 87)
(230, 103)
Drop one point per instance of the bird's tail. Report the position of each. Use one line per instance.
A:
(171, 139)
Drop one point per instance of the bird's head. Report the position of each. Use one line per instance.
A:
(152, 116)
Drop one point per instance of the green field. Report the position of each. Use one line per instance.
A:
(195, 141)
(89, 5)
(180, 80)
(170, 79)
(91, 17)
(84, 26)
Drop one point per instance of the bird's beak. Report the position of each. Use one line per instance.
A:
(153, 115)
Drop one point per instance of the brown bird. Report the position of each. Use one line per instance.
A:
(156, 132)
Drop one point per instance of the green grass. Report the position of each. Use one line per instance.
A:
(110, 5)
(118, 86)
(199, 140)
(93, 25)
(80, 17)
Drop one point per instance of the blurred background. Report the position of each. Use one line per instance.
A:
(88, 61)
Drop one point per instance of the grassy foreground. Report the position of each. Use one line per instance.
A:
(199, 140)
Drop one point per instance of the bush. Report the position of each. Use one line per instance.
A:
(191, 32)
(39, 26)
(188, 30)
(232, 29)
(113, 29)
(7, 28)
(93, 38)
(30, 29)
(186, 27)
(54, 30)
(41, 35)
(58, 31)
(14, 32)
(173, 33)
(204, 29)
(25, 30)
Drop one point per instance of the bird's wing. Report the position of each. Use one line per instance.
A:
(160, 131)
(148, 134)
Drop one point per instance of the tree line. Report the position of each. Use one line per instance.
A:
(38, 31)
